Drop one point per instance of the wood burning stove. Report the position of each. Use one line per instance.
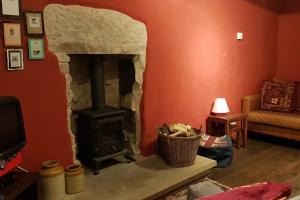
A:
(100, 129)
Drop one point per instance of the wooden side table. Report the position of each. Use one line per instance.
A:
(23, 187)
(233, 122)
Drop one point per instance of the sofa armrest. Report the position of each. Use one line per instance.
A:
(250, 103)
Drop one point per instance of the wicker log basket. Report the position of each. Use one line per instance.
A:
(177, 151)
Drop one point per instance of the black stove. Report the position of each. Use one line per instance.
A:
(100, 129)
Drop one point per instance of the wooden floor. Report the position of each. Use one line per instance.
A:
(262, 161)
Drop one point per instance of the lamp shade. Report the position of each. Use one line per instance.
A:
(220, 106)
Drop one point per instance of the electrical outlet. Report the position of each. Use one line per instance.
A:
(240, 36)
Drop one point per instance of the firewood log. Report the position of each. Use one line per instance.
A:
(176, 134)
(180, 127)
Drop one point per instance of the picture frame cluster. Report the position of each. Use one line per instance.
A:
(12, 20)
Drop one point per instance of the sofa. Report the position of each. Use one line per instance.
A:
(271, 118)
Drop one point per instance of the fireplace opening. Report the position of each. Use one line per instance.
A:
(101, 115)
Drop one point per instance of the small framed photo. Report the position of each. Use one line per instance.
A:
(34, 23)
(36, 49)
(15, 59)
(11, 8)
(12, 34)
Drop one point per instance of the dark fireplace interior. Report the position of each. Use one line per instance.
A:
(101, 128)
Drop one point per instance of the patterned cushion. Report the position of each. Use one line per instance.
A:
(277, 96)
(212, 141)
(216, 148)
(297, 96)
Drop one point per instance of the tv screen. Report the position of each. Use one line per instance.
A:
(10, 130)
(12, 134)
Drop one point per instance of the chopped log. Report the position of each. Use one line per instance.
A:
(176, 134)
(180, 127)
(183, 134)
(189, 127)
(189, 134)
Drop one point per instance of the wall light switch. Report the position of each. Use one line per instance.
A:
(240, 36)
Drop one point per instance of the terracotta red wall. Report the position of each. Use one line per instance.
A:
(288, 60)
(192, 57)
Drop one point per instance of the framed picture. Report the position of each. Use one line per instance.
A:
(12, 34)
(15, 59)
(36, 49)
(34, 23)
(11, 8)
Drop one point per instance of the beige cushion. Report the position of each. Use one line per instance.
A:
(287, 120)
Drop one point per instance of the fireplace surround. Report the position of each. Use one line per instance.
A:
(98, 31)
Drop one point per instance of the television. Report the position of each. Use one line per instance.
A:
(12, 134)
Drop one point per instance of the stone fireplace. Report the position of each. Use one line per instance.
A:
(74, 32)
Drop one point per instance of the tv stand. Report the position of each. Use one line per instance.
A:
(23, 186)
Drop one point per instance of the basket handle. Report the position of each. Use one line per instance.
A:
(198, 131)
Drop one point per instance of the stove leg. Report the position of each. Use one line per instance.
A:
(97, 166)
(96, 171)
(129, 158)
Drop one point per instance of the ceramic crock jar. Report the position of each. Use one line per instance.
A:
(52, 181)
(74, 178)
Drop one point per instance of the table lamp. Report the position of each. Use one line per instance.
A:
(220, 107)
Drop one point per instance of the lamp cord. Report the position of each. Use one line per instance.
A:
(22, 169)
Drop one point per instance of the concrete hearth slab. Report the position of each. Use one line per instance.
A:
(146, 179)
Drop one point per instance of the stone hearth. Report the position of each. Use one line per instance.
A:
(83, 30)
(148, 179)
